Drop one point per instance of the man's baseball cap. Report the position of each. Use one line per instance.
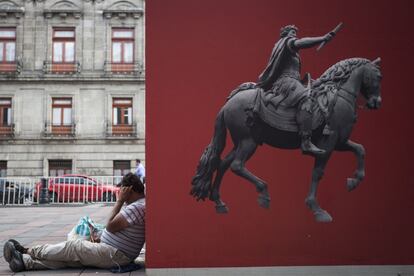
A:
(131, 179)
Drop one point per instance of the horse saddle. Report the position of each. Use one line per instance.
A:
(279, 115)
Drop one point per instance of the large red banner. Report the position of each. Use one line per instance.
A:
(197, 52)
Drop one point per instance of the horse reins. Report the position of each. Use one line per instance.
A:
(349, 101)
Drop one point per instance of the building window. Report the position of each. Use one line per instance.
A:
(122, 45)
(5, 112)
(122, 167)
(63, 46)
(7, 45)
(3, 168)
(62, 115)
(122, 50)
(122, 116)
(122, 111)
(60, 167)
(7, 49)
(63, 50)
(5, 116)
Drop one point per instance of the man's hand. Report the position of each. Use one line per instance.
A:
(124, 193)
(116, 221)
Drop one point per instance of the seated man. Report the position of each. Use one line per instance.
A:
(120, 244)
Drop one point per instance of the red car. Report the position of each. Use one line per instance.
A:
(78, 188)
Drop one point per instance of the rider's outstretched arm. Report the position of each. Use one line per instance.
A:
(308, 42)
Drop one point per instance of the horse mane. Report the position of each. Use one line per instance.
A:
(337, 74)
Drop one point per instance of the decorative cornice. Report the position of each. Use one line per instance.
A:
(122, 10)
(34, 1)
(63, 10)
(123, 14)
(94, 1)
(10, 9)
(62, 13)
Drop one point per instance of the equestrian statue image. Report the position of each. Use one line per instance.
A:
(283, 111)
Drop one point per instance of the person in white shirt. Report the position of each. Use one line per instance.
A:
(140, 170)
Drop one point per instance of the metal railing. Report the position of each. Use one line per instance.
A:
(121, 130)
(16, 191)
(51, 130)
(111, 68)
(14, 68)
(50, 67)
(66, 189)
(7, 131)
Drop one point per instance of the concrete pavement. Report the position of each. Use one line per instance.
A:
(49, 224)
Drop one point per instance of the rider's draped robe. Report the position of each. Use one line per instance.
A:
(282, 74)
(282, 91)
(273, 69)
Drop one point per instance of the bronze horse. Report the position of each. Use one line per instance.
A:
(344, 80)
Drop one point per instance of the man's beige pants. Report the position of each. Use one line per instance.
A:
(74, 253)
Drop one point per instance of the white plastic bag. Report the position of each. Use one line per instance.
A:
(86, 229)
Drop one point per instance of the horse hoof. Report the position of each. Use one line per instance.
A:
(264, 201)
(351, 184)
(222, 209)
(322, 216)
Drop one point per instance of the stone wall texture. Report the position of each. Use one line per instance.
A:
(92, 144)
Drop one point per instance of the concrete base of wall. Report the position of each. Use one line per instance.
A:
(369, 270)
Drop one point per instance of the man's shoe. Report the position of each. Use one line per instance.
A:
(309, 148)
(13, 257)
(18, 246)
(7, 251)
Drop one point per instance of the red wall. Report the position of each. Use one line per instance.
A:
(197, 52)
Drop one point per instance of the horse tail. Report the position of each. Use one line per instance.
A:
(209, 161)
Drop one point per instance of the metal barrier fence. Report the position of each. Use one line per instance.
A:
(58, 190)
(16, 191)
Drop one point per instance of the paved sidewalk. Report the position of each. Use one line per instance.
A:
(49, 224)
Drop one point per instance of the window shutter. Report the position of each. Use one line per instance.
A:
(115, 116)
(129, 116)
(1, 51)
(9, 117)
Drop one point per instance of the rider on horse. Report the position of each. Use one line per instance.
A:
(281, 81)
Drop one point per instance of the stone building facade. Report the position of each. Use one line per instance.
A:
(72, 86)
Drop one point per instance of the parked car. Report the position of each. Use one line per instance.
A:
(77, 188)
(12, 193)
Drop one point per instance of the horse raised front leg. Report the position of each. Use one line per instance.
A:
(221, 207)
(244, 151)
(359, 174)
(311, 201)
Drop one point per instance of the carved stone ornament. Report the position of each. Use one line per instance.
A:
(8, 8)
(93, 1)
(63, 10)
(34, 1)
(123, 10)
